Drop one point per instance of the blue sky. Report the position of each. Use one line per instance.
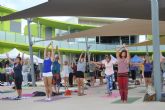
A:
(20, 4)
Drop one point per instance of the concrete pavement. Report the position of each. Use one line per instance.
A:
(96, 99)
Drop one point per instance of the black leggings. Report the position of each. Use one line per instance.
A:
(18, 82)
(133, 74)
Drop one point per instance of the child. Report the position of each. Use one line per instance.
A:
(65, 74)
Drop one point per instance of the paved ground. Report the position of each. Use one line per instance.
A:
(94, 100)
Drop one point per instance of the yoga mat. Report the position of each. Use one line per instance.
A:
(97, 86)
(52, 99)
(113, 96)
(129, 88)
(130, 100)
(8, 91)
(12, 98)
(27, 95)
(142, 91)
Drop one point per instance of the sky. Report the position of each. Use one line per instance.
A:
(24, 4)
(21, 4)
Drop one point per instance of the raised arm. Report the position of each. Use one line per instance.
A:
(128, 55)
(118, 52)
(22, 61)
(85, 57)
(45, 51)
(12, 62)
(52, 53)
(81, 55)
(59, 55)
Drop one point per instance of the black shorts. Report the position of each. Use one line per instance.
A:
(92, 74)
(80, 74)
(18, 82)
(147, 74)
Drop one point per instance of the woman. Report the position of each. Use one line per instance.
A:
(92, 69)
(148, 73)
(65, 74)
(81, 67)
(100, 73)
(25, 71)
(72, 75)
(47, 73)
(8, 71)
(109, 73)
(56, 65)
(133, 70)
(123, 59)
(141, 73)
(17, 75)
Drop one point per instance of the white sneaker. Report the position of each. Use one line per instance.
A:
(47, 99)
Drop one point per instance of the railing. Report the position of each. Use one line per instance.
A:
(23, 39)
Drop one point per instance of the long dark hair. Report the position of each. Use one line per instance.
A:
(19, 59)
(120, 55)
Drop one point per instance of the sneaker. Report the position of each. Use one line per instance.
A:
(47, 99)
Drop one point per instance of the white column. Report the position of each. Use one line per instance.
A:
(31, 52)
(156, 47)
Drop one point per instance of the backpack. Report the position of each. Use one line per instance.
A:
(38, 93)
(137, 82)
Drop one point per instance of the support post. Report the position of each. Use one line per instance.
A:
(87, 51)
(31, 52)
(129, 39)
(147, 53)
(156, 48)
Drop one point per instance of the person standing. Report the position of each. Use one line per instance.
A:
(123, 59)
(72, 75)
(18, 78)
(148, 74)
(133, 70)
(109, 72)
(92, 69)
(47, 73)
(56, 69)
(65, 74)
(25, 71)
(81, 67)
(8, 71)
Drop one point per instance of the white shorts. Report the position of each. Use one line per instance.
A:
(48, 74)
(63, 75)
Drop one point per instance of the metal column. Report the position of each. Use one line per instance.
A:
(147, 51)
(87, 51)
(31, 52)
(156, 47)
(129, 39)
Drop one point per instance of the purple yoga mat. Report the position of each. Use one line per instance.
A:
(52, 99)
(114, 95)
(27, 95)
